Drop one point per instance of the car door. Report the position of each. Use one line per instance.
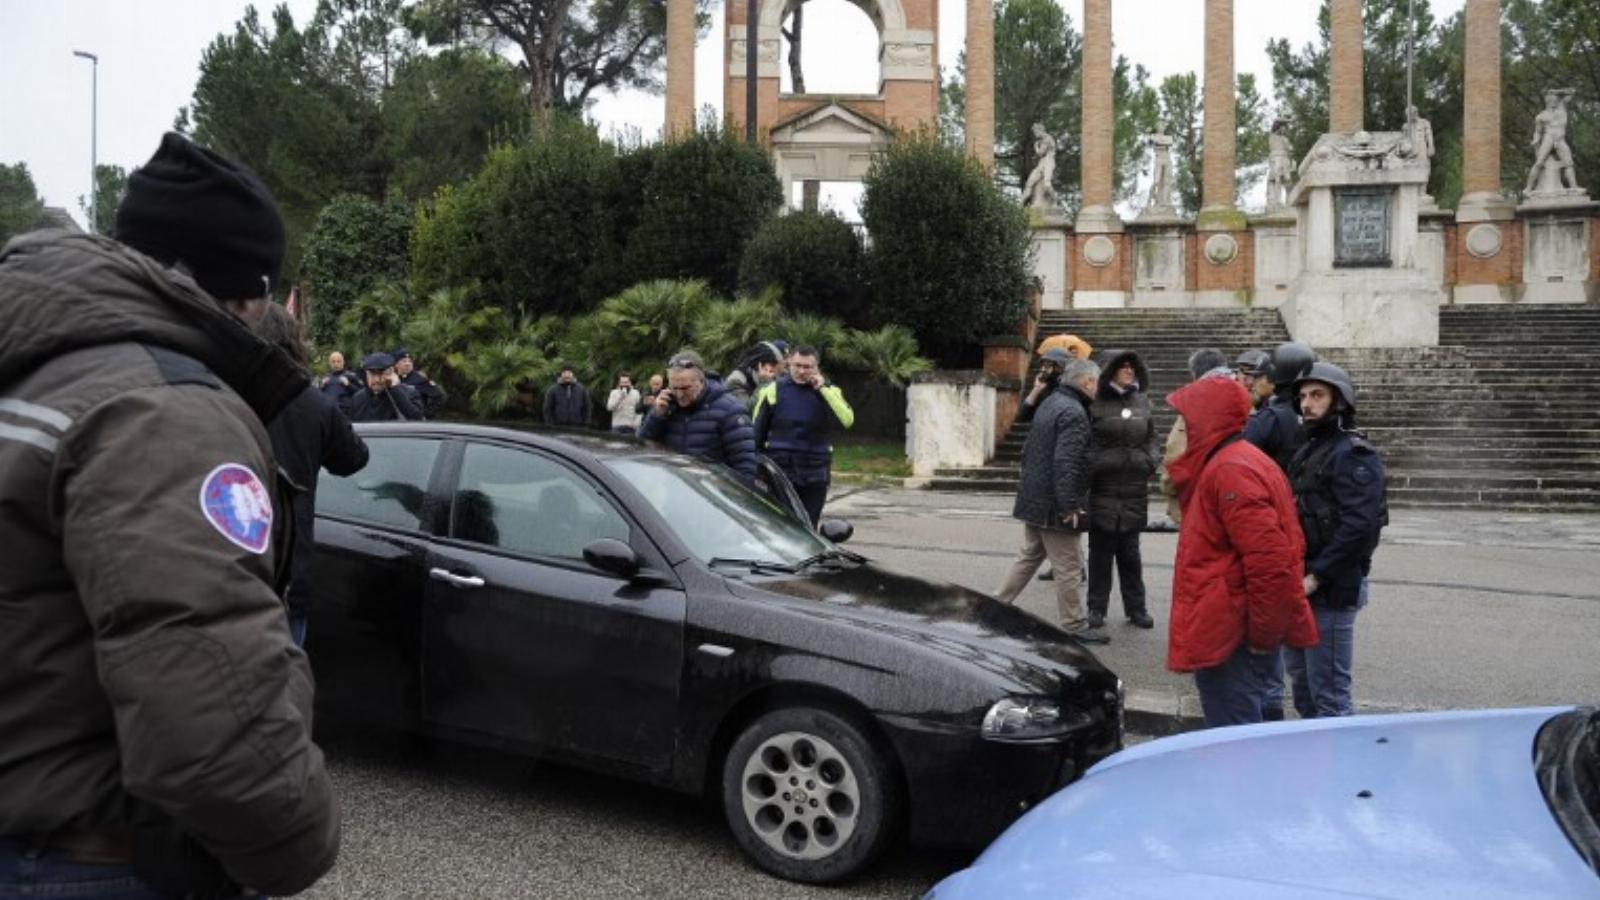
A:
(524, 640)
(373, 534)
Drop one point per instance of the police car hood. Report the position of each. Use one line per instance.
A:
(1399, 806)
(61, 292)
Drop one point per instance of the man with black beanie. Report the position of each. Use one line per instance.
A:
(156, 715)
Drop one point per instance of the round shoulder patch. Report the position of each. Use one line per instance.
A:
(1362, 475)
(238, 506)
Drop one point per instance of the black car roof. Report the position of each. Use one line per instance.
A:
(596, 443)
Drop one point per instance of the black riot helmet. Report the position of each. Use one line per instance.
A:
(1289, 362)
(1253, 362)
(1331, 375)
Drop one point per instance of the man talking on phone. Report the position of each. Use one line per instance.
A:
(384, 399)
(694, 416)
(794, 417)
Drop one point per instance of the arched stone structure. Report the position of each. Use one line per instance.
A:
(908, 82)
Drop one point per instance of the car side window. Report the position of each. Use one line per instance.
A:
(389, 490)
(529, 504)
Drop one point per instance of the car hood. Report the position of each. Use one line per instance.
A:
(983, 630)
(1400, 806)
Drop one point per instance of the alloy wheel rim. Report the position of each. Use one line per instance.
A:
(800, 795)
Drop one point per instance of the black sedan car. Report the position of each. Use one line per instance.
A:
(598, 601)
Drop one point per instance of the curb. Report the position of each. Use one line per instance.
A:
(1160, 714)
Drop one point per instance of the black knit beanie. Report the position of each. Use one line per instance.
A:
(190, 205)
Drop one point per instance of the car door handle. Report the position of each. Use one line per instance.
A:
(454, 580)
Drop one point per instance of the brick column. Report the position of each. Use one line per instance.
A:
(1481, 198)
(980, 81)
(1344, 76)
(1098, 121)
(1217, 209)
(680, 67)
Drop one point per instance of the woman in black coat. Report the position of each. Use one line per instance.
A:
(1122, 456)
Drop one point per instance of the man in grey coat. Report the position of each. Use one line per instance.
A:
(1053, 497)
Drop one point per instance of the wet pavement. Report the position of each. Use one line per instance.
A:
(1468, 609)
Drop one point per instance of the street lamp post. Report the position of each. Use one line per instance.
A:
(94, 140)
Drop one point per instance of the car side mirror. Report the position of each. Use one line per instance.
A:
(836, 530)
(612, 557)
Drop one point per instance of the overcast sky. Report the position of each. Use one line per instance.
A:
(150, 53)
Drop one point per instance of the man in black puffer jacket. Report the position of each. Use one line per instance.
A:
(695, 416)
(1122, 457)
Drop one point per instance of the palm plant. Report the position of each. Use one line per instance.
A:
(826, 334)
(890, 353)
(375, 319)
(728, 329)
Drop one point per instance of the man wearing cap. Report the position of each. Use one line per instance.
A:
(155, 717)
(429, 396)
(1053, 496)
(384, 399)
(567, 401)
(1338, 481)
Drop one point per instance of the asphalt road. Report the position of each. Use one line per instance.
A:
(1468, 610)
(431, 820)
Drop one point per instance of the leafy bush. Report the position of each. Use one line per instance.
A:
(354, 245)
(374, 321)
(949, 254)
(814, 258)
(533, 226)
(637, 330)
(699, 200)
(728, 329)
(890, 353)
(826, 334)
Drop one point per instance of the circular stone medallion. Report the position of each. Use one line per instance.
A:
(1099, 251)
(1484, 240)
(1221, 249)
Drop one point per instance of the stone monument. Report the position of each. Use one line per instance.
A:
(1552, 180)
(1362, 283)
(1039, 192)
(1159, 203)
(1555, 213)
(1419, 144)
(1280, 166)
(1048, 221)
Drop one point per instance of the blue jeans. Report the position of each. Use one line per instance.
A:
(1233, 692)
(1273, 703)
(1323, 675)
(297, 629)
(30, 871)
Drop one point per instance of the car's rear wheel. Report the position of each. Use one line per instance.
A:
(808, 796)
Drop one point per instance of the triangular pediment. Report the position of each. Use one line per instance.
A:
(831, 122)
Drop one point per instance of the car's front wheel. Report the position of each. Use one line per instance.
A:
(808, 796)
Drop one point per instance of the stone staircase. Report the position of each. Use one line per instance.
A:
(1496, 417)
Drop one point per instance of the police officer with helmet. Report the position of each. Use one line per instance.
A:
(1275, 426)
(155, 718)
(1338, 481)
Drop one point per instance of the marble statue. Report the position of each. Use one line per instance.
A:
(1160, 168)
(1419, 142)
(1039, 192)
(1280, 165)
(1552, 170)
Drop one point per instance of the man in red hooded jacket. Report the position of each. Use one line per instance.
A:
(1237, 590)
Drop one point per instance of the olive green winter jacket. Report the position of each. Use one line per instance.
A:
(148, 684)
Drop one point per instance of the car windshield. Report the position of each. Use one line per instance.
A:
(1566, 759)
(716, 516)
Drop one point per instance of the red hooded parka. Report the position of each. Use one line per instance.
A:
(1241, 556)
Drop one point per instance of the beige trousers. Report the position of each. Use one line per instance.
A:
(1065, 550)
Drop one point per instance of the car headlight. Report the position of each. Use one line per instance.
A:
(1030, 719)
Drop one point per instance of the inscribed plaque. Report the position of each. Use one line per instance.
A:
(1361, 227)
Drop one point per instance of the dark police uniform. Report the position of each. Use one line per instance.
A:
(793, 424)
(1275, 430)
